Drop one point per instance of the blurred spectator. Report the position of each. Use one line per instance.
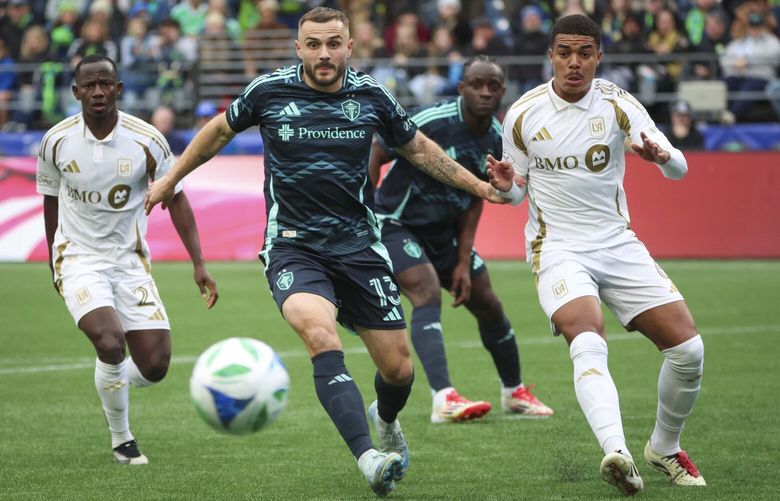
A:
(485, 41)
(191, 16)
(164, 119)
(651, 8)
(408, 18)
(108, 13)
(64, 30)
(204, 112)
(741, 23)
(612, 23)
(750, 63)
(214, 49)
(449, 13)
(41, 81)
(53, 8)
(531, 41)
(667, 38)
(366, 47)
(94, 40)
(175, 55)
(17, 19)
(631, 42)
(683, 133)
(155, 11)
(269, 44)
(696, 19)
(713, 43)
(138, 64)
(231, 26)
(7, 81)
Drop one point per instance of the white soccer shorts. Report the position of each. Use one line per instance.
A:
(89, 283)
(624, 277)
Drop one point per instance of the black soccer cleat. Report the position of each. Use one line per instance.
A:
(128, 453)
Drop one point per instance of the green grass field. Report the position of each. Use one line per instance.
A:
(54, 443)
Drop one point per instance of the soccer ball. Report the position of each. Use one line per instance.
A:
(239, 385)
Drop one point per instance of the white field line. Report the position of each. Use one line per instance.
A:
(89, 363)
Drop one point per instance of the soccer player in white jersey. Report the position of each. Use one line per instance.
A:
(564, 146)
(94, 170)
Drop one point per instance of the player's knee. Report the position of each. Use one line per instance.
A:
(688, 356)
(157, 368)
(400, 373)
(320, 339)
(109, 344)
(424, 294)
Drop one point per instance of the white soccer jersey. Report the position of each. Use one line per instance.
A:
(101, 185)
(572, 155)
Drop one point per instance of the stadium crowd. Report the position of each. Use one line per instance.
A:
(193, 56)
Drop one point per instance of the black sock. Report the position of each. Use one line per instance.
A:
(500, 342)
(391, 399)
(340, 397)
(428, 342)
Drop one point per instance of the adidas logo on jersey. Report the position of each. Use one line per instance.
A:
(341, 378)
(291, 110)
(393, 315)
(72, 167)
(542, 135)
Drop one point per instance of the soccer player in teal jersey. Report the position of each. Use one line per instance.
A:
(323, 258)
(428, 228)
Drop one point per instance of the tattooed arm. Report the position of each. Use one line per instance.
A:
(431, 159)
(206, 143)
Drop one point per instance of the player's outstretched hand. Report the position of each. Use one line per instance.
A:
(461, 284)
(207, 286)
(500, 173)
(650, 151)
(159, 191)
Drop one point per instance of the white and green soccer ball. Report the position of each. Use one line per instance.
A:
(239, 385)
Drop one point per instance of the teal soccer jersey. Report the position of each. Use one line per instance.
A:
(414, 198)
(317, 147)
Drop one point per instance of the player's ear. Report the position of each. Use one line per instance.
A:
(298, 49)
(120, 86)
(349, 47)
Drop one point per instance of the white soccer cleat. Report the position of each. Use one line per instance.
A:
(678, 467)
(128, 453)
(381, 470)
(525, 403)
(619, 470)
(454, 409)
(391, 438)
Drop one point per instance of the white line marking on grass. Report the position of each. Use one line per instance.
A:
(188, 359)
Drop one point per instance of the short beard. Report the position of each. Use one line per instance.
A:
(310, 72)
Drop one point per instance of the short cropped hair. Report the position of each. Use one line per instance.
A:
(93, 58)
(323, 15)
(482, 58)
(576, 24)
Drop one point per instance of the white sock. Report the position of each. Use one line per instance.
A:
(678, 386)
(134, 376)
(596, 391)
(506, 391)
(440, 397)
(111, 385)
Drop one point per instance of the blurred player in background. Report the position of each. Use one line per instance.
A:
(323, 258)
(428, 228)
(93, 170)
(565, 141)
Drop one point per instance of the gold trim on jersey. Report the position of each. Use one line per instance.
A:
(542, 135)
(144, 129)
(622, 118)
(139, 249)
(517, 133)
(157, 315)
(72, 167)
(151, 163)
(620, 213)
(54, 151)
(531, 95)
(58, 264)
(67, 124)
(536, 244)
